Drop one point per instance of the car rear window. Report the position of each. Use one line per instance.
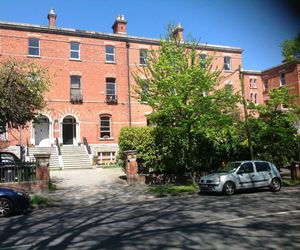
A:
(262, 166)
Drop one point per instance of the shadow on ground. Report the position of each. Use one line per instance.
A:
(242, 221)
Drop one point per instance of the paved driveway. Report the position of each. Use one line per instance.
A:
(89, 186)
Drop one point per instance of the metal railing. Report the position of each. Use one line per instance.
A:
(88, 147)
(17, 172)
(76, 95)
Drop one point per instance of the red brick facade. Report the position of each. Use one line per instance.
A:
(71, 121)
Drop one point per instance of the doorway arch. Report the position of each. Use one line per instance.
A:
(69, 131)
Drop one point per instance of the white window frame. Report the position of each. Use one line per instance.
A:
(34, 47)
(143, 57)
(74, 50)
(110, 54)
(110, 128)
(227, 65)
(109, 81)
(282, 79)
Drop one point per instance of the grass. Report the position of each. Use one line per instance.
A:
(52, 186)
(290, 182)
(172, 189)
(39, 201)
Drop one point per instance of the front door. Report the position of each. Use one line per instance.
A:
(69, 130)
(41, 130)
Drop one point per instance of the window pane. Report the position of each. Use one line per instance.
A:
(262, 166)
(74, 46)
(143, 56)
(74, 54)
(104, 134)
(34, 42)
(75, 82)
(34, 51)
(110, 49)
(227, 62)
(110, 58)
(104, 126)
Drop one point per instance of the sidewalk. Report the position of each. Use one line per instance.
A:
(90, 186)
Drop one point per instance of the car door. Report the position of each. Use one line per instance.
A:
(264, 173)
(246, 176)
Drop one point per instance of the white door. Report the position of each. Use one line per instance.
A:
(41, 131)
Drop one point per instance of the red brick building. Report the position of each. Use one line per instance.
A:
(91, 92)
(285, 74)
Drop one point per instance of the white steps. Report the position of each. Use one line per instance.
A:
(54, 158)
(75, 157)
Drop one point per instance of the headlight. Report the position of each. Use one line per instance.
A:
(20, 193)
(216, 179)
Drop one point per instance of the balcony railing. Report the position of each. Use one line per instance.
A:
(76, 95)
(111, 99)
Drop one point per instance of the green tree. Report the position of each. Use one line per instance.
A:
(22, 87)
(274, 132)
(291, 49)
(183, 95)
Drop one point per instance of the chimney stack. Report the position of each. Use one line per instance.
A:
(52, 18)
(119, 26)
(178, 33)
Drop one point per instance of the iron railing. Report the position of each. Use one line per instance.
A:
(17, 172)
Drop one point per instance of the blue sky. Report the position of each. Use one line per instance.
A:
(257, 26)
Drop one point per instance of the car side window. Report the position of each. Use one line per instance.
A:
(7, 158)
(262, 166)
(246, 168)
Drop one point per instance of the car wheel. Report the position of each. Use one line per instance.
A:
(229, 188)
(6, 207)
(275, 185)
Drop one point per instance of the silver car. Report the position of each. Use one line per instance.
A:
(242, 175)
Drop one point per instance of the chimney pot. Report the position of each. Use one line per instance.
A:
(52, 18)
(119, 27)
(178, 33)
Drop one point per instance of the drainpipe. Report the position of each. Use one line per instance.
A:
(248, 132)
(129, 87)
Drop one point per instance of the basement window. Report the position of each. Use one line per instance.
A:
(106, 158)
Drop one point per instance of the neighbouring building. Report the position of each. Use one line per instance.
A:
(91, 96)
(284, 75)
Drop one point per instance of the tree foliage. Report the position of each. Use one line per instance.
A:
(274, 132)
(22, 87)
(184, 97)
(291, 49)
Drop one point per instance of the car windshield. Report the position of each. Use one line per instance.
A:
(229, 168)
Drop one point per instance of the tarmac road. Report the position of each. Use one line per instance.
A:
(249, 220)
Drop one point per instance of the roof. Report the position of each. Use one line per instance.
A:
(252, 72)
(107, 36)
(282, 65)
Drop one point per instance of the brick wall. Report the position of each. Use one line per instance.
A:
(55, 55)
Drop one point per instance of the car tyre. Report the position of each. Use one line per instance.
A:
(229, 188)
(6, 207)
(275, 185)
